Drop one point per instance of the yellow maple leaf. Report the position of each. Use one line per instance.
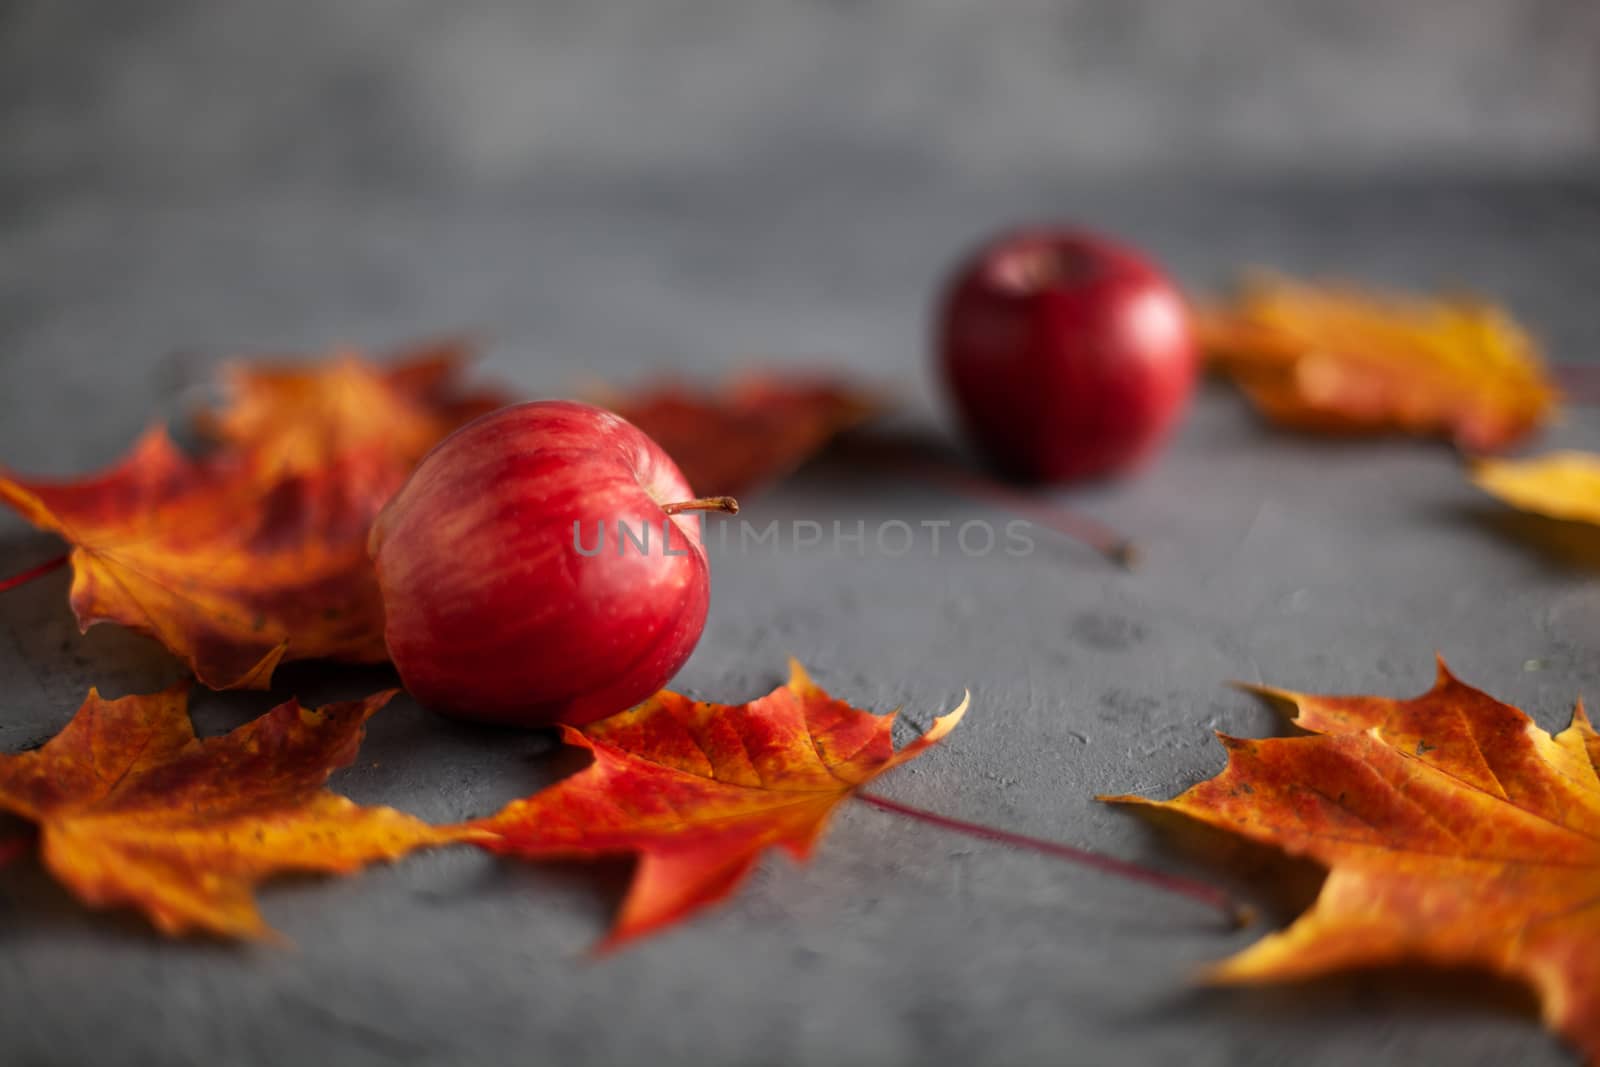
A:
(1336, 359)
(1558, 485)
(133, 809)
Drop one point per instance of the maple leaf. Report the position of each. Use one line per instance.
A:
(750, 433)
(232, 568)
(1560, 485)
(301, 417)
(257, 554)
(1339, 360)
(1455, 831)
(133, 809)
(699, 790)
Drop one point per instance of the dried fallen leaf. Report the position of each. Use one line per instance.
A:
(698, 791)
(1339, 360)
(233, 570)
(1455, 830)
(133, 809)
(257, 554)
(1559, 485)
(302, 417)
(750, 433)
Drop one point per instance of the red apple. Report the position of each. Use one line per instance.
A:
(538, 568)
(1068, 356)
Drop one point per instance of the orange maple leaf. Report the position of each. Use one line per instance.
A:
(301, 417)
(748, 434)
(233, 568)
(1339, 360)
(133, 809)
(257, 554)
(699, 790)
(1455, 831)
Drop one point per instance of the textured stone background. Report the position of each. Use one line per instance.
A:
(392, 91)
(615, 190)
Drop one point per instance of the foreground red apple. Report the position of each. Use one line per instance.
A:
(537, 568)
(1066, 355)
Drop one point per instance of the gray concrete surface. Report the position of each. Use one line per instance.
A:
(178, 92)
(1298, 562)
(134, 253)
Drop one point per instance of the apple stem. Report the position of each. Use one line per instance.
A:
(1209, 895)
(724, 504)
(33, 572)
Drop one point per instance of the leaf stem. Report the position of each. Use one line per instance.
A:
(917, 462)
(33, 572)
(1171, 883)
(706, 503)
(1086, 531)
(1579, 382)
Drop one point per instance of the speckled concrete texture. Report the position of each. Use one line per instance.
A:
(124, 277)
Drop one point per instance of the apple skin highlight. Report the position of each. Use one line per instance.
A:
(492, 611)
(1066, 356)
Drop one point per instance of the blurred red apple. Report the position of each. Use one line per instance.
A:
(1067, 355)
(537, 568)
